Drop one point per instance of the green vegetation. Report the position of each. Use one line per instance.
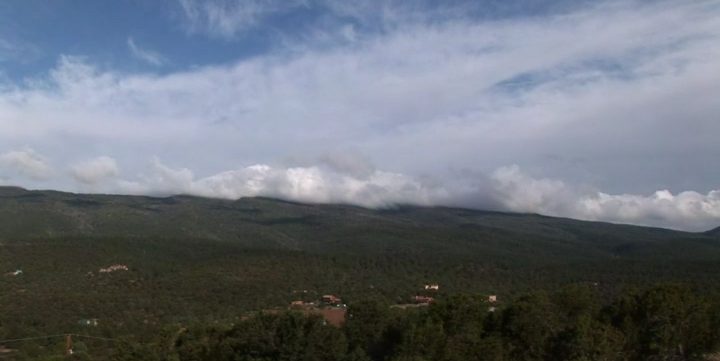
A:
(194, 261)
(666, 322)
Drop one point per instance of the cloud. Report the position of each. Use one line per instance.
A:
(601, 105)
(6, 48)
(146, 55)
(26, 163)
(17, 51)
(350, 180)
(691, 210)
(228, 18)
(506, 189)
(95, 170)
(314, 184)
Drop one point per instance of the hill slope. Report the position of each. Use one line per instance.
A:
(273, 224)
(714, 232)
(194, 258)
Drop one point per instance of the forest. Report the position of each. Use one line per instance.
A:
(186, 278)
(662, 322)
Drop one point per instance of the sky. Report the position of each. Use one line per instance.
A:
(598, 110)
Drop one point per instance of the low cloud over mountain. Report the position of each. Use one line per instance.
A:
(359, 183)
(596, 110)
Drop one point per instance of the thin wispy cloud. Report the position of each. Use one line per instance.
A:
(21, 52)
(6, 48)
(229, 18)
(149, 56)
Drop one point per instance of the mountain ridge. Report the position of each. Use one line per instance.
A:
(15, 191)
(260, 223)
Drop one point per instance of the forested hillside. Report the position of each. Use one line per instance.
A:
(192, 260)
(668, 322)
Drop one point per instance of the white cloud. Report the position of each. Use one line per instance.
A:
(149, 56)
(507, 188)
(228, 18)
(348, 180)
(314, 184)
(685, 210)
(95, 170)
(604, 95)
(690, 210)
(519, 192)
(26, 163)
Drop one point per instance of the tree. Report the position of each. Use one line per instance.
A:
(666, 322)
(528, 326)
(587, 339)
(367, 327)
(323, 342)
(422, 338)
(675, 323)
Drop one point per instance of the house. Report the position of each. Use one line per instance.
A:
(432, 287)
(300, 305)
(333, 316)
(331, 300)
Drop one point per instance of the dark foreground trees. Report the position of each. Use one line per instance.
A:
(668, 322)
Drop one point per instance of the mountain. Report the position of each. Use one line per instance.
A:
(191, 258)
(714, 232)
(273, 224)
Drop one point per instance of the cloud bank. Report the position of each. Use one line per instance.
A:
(598, 113)
(505, 189)
(349, 180)
(686, 210)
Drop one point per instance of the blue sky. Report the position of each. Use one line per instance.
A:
(99, 31)
(602, 110)
(184, 36)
